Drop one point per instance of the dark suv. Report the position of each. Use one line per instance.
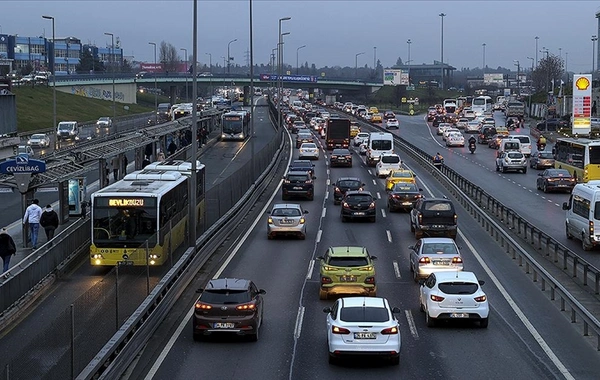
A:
(344, 184)
(299, 184)
(433, 217)
(301, 166)
(228, 305)
(358, 204)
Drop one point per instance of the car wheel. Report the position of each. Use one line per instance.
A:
(395, 360)
(429, 321)
(270, 236)
(412, 227)
(344, 219)
(332, 359)
(336, 202)
(254, 337)
(503, 169)
(569, 236)
(584, 244)
(497, 168)
(198, 337)
(284, 197)
(415, 275)
(483, 323)
(525, 170)
(311, 197)
(373, 219)
(421, 307)
(303, 236)
(322, 294)
(545, 188)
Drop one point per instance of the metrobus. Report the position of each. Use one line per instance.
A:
(581, 157)
(481, 105)
(142, 218)
(234, 126)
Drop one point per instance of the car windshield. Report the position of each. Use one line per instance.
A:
(403, 187)
(558, 173)
(458, 287)
(438, 206)
(364, 314)
(286, 212)
(103, 119)
(349, 183)
(439, 249)
(359, 198)
(390, 159)
(402, 174)
(515, 155)
(38, 136)
(348, 261)
(225, 296)
(381, 144)
(65, 126)
(546, 155)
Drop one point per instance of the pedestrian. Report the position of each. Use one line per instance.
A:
(161, 156)
(146, 162)
(125, 163)
(49, 221)
(172, 148)
(33, 213)
(84, 205)
(7, 248)
(204, 134)
(115, 166)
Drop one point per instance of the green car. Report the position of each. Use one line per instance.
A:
(347, 270)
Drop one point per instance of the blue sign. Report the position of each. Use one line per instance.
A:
(23, 164)
(289, 78)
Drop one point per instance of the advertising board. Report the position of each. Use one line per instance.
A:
(582, 104)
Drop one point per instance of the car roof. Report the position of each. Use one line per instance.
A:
(348, 179)
(432, 240)
(286, 205)
(348, 251)
(363, 301)
(455, 276)
(227, 283)
(359, 192)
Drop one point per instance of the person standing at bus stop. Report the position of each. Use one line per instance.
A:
(33, 213)
(49, 221)
(7, 248)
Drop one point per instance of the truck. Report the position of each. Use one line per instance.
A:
(337, 133)
(514, 108)
(330, 99)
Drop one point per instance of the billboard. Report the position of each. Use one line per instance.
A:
(582, 104)
(395, 77)
(152, 67)
(493, 78)
(288, 78)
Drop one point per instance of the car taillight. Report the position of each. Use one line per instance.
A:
(481, 298)
(420, 218)
(390, 331)
(591, 228)
(395, 196)
(324, 279)
(370, 280)
(202, 306)
(339, 330)
(308, 181)
(348, 157)
(334, 157)
(436, 298)
(455, 218)
(425, 260)
(286, 181)
(246, 306)
(456, 260)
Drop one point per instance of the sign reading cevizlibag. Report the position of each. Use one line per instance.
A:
(582, 104)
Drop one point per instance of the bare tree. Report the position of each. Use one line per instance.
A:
(549, 70)
(169, 57)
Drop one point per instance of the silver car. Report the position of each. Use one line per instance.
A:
(39, 139)
(287, 219)
(541, 160)
(434, 254)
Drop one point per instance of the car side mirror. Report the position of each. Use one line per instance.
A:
(327, 310)
(373, 257)
(481, 282)
(320, 258)
(565, 206)
(396, 310)
(199, 290)
(306, 211)
(422, 281)
(262, 291)
(411, 247)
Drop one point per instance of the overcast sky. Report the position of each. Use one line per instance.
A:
(334, 31)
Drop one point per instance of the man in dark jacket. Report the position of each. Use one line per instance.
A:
(7, 248)
(49, 221)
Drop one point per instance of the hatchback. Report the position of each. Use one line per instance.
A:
(434, 254)
(392, 123)
(308, 151)
(360, 138)
(39, 139)
(344, 184)
(287, 219)
(358, 204)
(347, 270)
(341, 157)
(541, 160)
(387, 163)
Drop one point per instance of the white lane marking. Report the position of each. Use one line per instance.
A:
(411, 324)
(327, 195)
(383, 213)
(378, 195)
(389, 235)
(374, 182)
(369, 171)
(328, 182)
(323, 213)
(328, 173)
(299, 319)
(319, 236)
(311, 267)
(396, 269)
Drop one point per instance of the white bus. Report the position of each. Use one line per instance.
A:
(481, 105)
(379, 143)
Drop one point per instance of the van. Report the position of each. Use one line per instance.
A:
(509, 145)
(379, 143)
(525, 144)
(582, 217)
(67, 130)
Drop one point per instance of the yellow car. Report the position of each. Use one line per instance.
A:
(399, 176)
(347, 270)
(376, 118)
(373, 109)
(502, 130)
(354, 130)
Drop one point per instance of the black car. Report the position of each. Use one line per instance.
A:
(438, 120)
(343, 185)
(555, 180)
(403, 196)
(298, 184)
(433, 217)
(228, 306)
(358, 204)
(389, 115)
(303, 137)
(302, 166)
(551, 125)
(341, 157)
(485, 134)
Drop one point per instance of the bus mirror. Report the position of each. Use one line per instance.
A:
(565, 206)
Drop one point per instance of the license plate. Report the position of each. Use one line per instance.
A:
(287, 222)
(364, 335)
(223, 325)
(459, 315)
(441, 263)
(297, 187)
(406, 203)
(348, 278)
(126, 262)
(359, 213)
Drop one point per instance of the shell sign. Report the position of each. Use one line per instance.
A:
(582, 83)
(582, 104)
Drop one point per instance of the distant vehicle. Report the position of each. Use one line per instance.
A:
(515, 109)
(104, 122)
(24, 149)
(481, 105)
(67, 130)
(379, 143)
(39, 140)
(579, 156)
(163, 111)
(337, 133)
(555, 180)
(205, 74)
(141, 74)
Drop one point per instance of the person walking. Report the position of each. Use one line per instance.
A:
(125, 163)
(172, 148)
(49, 221)
(7, 248)
(33, 213)
(115, 166)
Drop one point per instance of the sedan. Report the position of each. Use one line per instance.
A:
(392, 123)
(455, 139)
(308, 151)
(434, 254)
(287, 219)
(540, 160)
(399, 176)
(40, 140)
(442, 127)
(403, 196)
(472, 127)
(358, 204)
(453, 296)
(555, 180)
(303, 137)
(363, 326)
(447, 132)
(341, 157)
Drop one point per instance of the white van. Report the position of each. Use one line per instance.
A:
(387, 163)
(509, 145)
(583, 214)
(379, 143)
(525, 144)
(67, 130)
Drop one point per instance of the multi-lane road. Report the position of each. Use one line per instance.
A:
(528, 337)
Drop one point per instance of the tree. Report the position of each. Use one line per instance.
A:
(549, 69)
(399, 62)
(168, 57)
(88, 63)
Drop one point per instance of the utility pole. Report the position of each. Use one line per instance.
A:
(442, 15)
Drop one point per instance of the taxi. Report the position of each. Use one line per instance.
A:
(376, 118)
(354, 129)
(374, 109)
(501, 130)
(399, 176)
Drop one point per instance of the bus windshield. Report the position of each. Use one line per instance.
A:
(232, 124)
(121, 223)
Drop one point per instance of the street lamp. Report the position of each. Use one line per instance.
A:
(594, 39)
(518, 64)
(228, 56)
(186, 73)
(112, 48)
(57, 141)
(155, 84)
(408, 42)
(375, 60)
(279, 65)
(536, 50)
(210, 71)
(483, 67)
(297, 66)
(192, 190)
(356, 64)
(442, 15)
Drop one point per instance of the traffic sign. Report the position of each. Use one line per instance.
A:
(23, 164)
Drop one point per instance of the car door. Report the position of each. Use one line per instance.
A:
(331, 317)
(426, 289)
(414, 254)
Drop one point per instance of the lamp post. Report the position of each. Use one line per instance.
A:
(297, 61)
(155, 85)
(408, 42)
(252, 109)
(210, 71)
(536, 50)
(112, 68)
(356, 64)
(375, 60)
(518, 64)
(57, 141)
(229, 56)
(594, 39)
(483, 66)
(544, 50)
(186, 72)
(192, 190)
(442, 15)
(279, 65)
(532, 60)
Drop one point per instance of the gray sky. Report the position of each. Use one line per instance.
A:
(334, 31)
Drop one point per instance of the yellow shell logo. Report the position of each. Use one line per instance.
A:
(582, 83)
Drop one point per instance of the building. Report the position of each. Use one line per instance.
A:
(429, 73)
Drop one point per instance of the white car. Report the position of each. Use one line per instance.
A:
(387, 163)
(392, 123)
(472, 127)
(442, 127)
(368, 116)
(455, 139)
(453, 296)
(363, 325)
(104, 122)
(447, 132)
(360, 138)
(362, 149)
(462, 123)
(308, 150)
(325, 115)
(40, 140)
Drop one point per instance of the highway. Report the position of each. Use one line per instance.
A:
(528, 338)
(29, 344)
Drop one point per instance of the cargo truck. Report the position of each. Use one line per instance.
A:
(337, 133)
